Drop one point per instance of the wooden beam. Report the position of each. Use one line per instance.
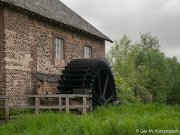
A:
(84, 104)
(60, 104)
(61, 107)
(59, 95)
(67, 104)
(36, 105)
(47, 95)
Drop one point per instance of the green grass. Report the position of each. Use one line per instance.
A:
(112, 120)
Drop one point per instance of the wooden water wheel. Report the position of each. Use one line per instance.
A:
(84, 76)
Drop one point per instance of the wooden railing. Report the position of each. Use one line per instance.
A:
(62, 100)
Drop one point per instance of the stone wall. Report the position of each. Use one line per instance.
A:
(17, 53)
(2, 54)
(29, 48)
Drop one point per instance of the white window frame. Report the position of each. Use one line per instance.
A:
(58, 48)
(87, 52)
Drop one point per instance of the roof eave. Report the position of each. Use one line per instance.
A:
(109, 40)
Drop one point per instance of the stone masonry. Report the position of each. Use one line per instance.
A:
(2, 54)
(26, 48)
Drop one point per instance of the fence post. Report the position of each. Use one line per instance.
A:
(36, 104)
(60, 103)
(7, 109)
(90, 103)
(67, 104)
(84, 105)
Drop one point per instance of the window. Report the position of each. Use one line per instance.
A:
(87, 52)
(58, 48)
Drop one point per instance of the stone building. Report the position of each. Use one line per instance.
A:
(37, 39)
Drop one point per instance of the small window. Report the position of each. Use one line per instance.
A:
(87, 52)
(58, 48)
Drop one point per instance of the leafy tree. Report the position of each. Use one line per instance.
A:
(174, 81)
(148, 41)
(122, 62)
(143, 73)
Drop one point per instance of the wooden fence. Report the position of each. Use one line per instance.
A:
(65, 102)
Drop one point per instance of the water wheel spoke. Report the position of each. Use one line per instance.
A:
(105, 85)
(102, 98)
(99, 82)
(108, 100)
(96, 97)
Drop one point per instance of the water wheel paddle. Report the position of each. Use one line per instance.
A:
(84, 76)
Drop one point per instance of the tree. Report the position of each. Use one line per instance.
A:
(122, 62)
(143, 73)
(148, 42)
(174, 81)
(153, 61)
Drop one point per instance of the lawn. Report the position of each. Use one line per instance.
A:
(112, 120)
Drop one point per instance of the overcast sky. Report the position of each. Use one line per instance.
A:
(131, 17)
